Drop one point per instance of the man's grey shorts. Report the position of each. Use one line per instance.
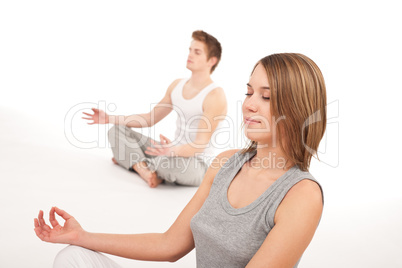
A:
(129, 147)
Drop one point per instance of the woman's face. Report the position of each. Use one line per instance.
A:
(256, 108)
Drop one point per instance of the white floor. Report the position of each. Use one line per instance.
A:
(39, 169)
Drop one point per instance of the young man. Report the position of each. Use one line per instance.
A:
(201, 106)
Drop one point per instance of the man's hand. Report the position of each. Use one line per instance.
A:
(163, 148)
(99, 117)
(67, 234)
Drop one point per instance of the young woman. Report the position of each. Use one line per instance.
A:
(258, 207)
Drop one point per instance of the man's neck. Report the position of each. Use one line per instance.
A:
(200, 79)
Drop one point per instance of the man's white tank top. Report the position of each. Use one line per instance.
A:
(189, 114)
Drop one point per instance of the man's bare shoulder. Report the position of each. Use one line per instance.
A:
(173, 85)
(216, 100)
(216, 92)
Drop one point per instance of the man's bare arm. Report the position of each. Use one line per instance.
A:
(160, 111)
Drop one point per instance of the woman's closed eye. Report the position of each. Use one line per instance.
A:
(264, 97)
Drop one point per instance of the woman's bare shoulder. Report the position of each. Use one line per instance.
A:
(218, 163)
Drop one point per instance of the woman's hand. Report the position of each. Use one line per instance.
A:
(99, 117)
(67, 234)
(163, 148)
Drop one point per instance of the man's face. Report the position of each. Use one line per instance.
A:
(197, 57)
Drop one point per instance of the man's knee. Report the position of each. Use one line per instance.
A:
(193, 174)
(113, 131)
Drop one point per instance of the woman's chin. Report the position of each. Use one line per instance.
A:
(257, 135)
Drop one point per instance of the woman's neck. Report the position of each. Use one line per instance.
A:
(272, 158)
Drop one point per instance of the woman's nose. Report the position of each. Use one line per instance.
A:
(250, 105)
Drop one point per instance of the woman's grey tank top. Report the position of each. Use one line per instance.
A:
(229, 237)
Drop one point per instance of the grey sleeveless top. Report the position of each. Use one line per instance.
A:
(229, 237)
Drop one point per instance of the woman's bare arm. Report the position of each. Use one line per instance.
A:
(296, 220)
(169, 246)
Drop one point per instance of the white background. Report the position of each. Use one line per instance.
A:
(59, 57)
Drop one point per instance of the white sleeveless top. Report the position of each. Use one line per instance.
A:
(189, 114)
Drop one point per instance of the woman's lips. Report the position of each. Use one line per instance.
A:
(250, 121)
